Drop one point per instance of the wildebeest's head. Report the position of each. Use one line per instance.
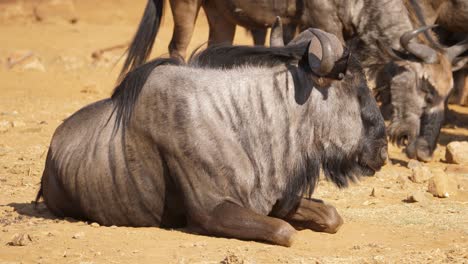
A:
(420, 84)
(340, 76)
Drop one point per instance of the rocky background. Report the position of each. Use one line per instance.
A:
(57, 56)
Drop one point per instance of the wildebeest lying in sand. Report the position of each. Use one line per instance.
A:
(227, 145)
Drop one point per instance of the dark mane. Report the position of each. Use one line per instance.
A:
(228, 56)
(223, 56)
(127, 92)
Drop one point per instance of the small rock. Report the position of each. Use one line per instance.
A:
(373, 192)
(366, 203)
(89, 89)
(113, 226)
(413, 164)
(13, 113)
(416, 197)
(35, 65)
(458, 170)
(70, 63)
(402, 181)
(441, 185)
(232, 259)
(4, 126)
(18, 124)
(420, 174)
(20, 240)
(95, 225)
(457, 152)
(55, 11)
(78, 235)
(4, 150)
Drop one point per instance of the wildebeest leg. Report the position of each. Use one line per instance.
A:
(221, 29)
(316, 215)
(231, 220)
(185, 14)
(460, 87)
(259, 36)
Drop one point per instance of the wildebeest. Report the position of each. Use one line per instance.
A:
(226, 145)
(453, 17)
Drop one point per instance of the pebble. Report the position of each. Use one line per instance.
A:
(25, 60)
(420, 174)
(4, 126)
(412, 164)
(35, 65)
(416, 197)
(20, 240)
(13, 113)
(18, 124)
(441, 185)
(95, 225)
(451, 169)
(4, 150)
(402, 181)
(377, 192)
(232, 259)
(54, 11)
(366, 203)
(457, 152)
(78, 235)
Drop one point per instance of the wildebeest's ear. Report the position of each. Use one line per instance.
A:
(324, 50)
(454, 52)
(276, 35)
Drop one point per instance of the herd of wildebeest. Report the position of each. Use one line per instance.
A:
(231, 141)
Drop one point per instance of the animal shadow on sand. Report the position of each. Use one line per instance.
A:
(454, 119)
(36, 211)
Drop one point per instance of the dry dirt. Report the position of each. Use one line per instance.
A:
(60, 76)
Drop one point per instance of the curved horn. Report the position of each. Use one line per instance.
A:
(326, 54)
(276, 35)
(424, 52)
(457, 49)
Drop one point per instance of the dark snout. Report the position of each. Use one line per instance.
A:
(422, 148)
(403, 131)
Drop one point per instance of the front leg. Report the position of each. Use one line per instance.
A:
(316, 215)
(231, 220)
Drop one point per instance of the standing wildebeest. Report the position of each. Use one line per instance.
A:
(453, 17)
(226, 145)
(411, 73)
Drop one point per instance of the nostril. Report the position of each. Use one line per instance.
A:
(384, 154)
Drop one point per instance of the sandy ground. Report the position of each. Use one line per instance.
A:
(61, 76)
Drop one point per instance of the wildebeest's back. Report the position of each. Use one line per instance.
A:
(85, 164)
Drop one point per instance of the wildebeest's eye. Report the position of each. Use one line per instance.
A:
(429, 97)
(429, 91)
